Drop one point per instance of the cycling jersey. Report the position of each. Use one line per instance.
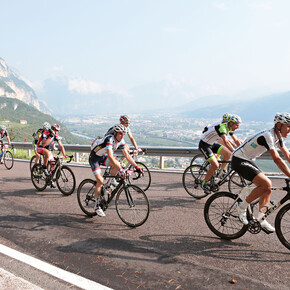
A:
(3, 134)
(100, 147)
(213, 132)
(258, 144)
(45, 136)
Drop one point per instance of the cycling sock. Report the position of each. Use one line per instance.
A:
(244, 204)
(203, 183)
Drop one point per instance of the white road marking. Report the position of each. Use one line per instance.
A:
(52, 270)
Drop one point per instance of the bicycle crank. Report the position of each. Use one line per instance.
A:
(254, 226)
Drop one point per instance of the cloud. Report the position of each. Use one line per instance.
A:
(57, 68)
(221, 6)
(262, 5)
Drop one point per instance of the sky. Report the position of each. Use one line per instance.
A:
(217, 47)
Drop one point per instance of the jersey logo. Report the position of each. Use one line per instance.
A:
(254, 145)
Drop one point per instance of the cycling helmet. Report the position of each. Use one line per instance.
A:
(235, 119)
(119, 128)
(2, 127)
(282, 118)
(226, 117)
(55, 127)
(46, 126)
(125, 119)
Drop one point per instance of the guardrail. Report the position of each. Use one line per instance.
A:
(160, 152)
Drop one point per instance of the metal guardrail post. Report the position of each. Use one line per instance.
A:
(161, 162)
(77, 157)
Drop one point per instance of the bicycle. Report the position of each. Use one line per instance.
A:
(220, 213)
(193, 177)
(144, 180)
(32, 160)
(8, 158)
(131, 202)
(62, 174)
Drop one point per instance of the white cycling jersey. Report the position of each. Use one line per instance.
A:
(258, 144)
(214, 132)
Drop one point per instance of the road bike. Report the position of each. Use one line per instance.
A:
(143, 180)
(62, 174)
(194, 175)
(131, 202)
(221, 216)
(8, 158)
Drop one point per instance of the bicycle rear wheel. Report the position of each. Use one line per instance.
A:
(221, 216)
(198, 159)
(8, 160)
(86, 196)
(144, 181)
(38, 177)
(282, 225)
(132, 205)
(65, 180)
(192, 178)
(237, 183)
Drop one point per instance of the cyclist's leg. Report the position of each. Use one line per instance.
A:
(95, 162)
(222, 150)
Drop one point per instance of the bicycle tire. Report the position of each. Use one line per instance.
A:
(86, 197)
(192, 178)
(38, 178)
(221, 216)
(65, 180)
(144, 181)
(132, 205)
(8, 160)
(32, 161)
(282, 225)
(198, 159)
(236, 183)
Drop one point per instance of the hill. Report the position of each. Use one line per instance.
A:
(13, 110)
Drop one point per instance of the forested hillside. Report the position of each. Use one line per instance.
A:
(13, 110)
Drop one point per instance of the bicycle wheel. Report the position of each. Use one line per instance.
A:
(38, 177)
(65, 180)
(282, 225)
(236, 183)
(221, 216)
(8, 160)
(32, 161)
(192, 178)
(144, 181)
(198, 159)
(132, 205)
(86, 196)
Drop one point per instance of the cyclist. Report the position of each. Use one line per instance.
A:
(209, 147)
(36, 136)
(102, 153)
(45, 145)
(125, 121)
(3, 133)
(243, 163)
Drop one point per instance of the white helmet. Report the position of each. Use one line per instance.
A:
(2, 127)
(120, 128)
(226, 117)
(282, 118)
(235, 119)
(46, 126)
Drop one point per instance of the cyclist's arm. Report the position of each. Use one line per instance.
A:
(237, 141)
(285, 152)
(279, 161)
(227, 143)
(132, 140)
(112, 158)
(128, 157)
(61, 147)
(8, 139)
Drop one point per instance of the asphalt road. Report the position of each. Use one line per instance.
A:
(174, 249)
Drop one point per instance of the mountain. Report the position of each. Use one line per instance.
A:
(13, 110)
(260, 109)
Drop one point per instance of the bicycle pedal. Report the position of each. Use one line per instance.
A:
(266, 231)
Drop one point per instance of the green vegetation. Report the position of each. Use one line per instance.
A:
(14, 110)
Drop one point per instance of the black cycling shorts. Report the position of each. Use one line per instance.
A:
(209, 150)
(245, 168)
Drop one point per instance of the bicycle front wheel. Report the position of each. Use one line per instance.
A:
(8, 160)
(132, 205)
(192, 178)
(86, 196)
(221, 216)
(282, 225)
(65, 180)
(32, 160)
(38, 177)
(144, 181)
